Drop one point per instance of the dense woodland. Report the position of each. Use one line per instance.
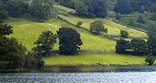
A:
(133, 13)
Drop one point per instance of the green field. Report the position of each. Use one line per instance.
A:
(27, 31)
(95, 59)
(113, 28)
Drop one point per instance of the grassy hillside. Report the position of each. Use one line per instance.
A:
(27, 32)
(113, 28)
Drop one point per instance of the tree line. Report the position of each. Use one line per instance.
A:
(39, 10)
(69, 42)
(42, 10)
(14, 55)
(98, 8)
(87, 8)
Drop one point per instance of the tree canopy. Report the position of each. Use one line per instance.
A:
(122, 45)
(91, 8)
(124, 34)
(5, 29)
(3, 11)
(17, 8)
(139, 46)
(45, 43)
(41, 10)
(97, 27)
(152, 39)
(12, 54)
(123, 7)
(69, 41)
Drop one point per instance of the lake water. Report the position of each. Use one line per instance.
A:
(107, 77)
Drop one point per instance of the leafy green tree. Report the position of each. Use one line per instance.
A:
(99, 8)
(12, 54)
(142, 9)
(124, 34)
(81, 9)
(4, 1)
(91, 8)
(17, 8)
(69, 41)
(97, 27)
(123, 7)
(122, 45)
(152, 39)
(5, 29)
(79, 23)
(3, 11)
(45, 43)
(139, 46)
(41, 10)
(150, 59)
(141, 19)
(146, 3)
(118, 16)
(33, 60)
(153, 16)
(153, 8)
(131, 23)
(135, 4)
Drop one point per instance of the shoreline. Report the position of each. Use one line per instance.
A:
(103, 68)
(85, 68)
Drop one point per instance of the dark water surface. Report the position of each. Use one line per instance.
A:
(107, 77)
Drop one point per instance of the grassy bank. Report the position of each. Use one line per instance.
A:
(97, 68)
(95, 59)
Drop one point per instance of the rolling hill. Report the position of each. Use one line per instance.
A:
(27, 32)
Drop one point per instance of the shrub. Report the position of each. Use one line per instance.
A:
(118, 16)
(122, 45)
(139, 46)
(97, 28)
(124, 34)
(152, 39)
(12, 53)
(131, 23)
(150, 59)
(79, 23)
(141, 19)
(153, 16)
(33, 60)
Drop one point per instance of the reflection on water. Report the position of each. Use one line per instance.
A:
(110, 77)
